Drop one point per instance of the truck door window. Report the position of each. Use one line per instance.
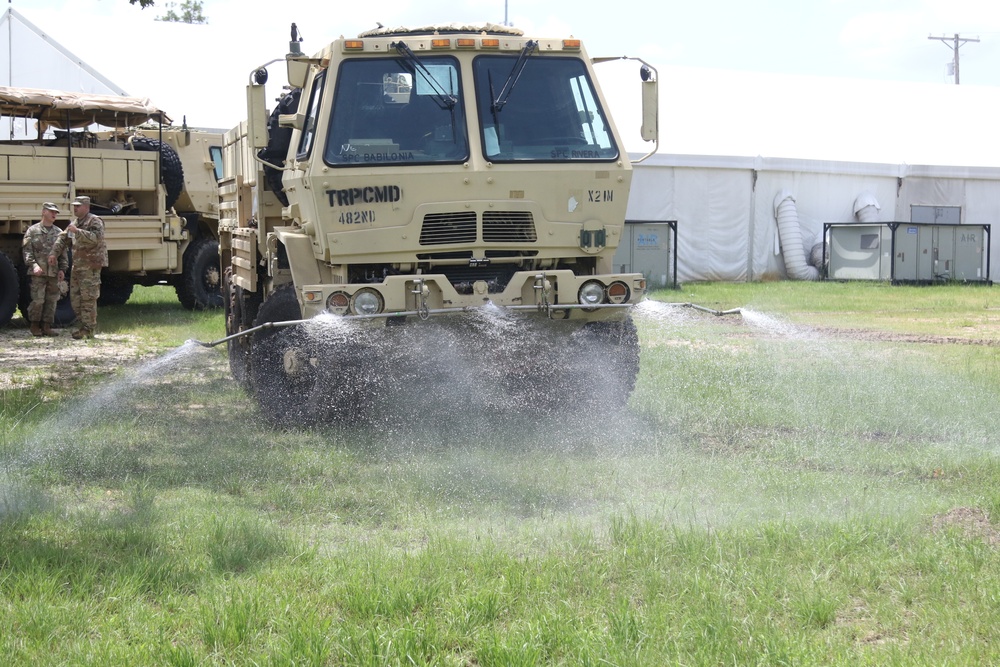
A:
(551, 115)
(391, 112)
(215, 152)
(312, 112)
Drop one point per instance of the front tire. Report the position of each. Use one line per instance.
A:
(614, 349)
(200, 285)
(115, 291)
(280, 373)
(240, 308)
(10, 288)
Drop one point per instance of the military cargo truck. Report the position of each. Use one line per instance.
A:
(411, 178)
(155, 185)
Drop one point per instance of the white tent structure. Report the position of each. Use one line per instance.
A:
(31, 59)
(728, 209)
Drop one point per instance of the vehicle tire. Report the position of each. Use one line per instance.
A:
(10, 288)
(200, 284)
(115, 291)
(240, 308)
(170, 166)
(278, 140)
(281, 375)
(613, 348)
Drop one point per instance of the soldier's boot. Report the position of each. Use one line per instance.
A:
(36, 329)
(48, 330)
(83, 332)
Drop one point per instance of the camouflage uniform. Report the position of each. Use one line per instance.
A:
(90, 254)
(38, 244)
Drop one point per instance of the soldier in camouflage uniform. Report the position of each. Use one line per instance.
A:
(90, 255)
(38, 244)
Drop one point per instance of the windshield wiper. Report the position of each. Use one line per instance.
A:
(442, 97)
(515, 73)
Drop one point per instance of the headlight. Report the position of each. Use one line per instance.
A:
(367, 302)
(338, 303)
(618, 292)
(591, 293)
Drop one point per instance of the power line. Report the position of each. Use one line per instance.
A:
(957, 42)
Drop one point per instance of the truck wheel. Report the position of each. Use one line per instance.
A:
(282, 376)
(278, 140)
(170, 163)
(616, 346)
(240, 309)
(200, 284)
(115, 291)
(10, 289)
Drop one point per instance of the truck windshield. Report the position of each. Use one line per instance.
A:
(390, 112)
(550, 115)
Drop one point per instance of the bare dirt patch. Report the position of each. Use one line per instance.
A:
(891, 337)
(26, 360)
(972, 522)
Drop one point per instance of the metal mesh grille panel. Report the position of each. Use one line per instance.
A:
(508, 227)
(446, 228)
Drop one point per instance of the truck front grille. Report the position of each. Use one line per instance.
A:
(508, 227)
(498, 227)
(448, 228)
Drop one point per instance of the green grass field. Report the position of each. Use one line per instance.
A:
(813, 483)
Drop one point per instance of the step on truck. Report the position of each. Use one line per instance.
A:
(429, 209)
(155, 186)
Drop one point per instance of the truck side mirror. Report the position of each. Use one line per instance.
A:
(650, 130)
(257, 117)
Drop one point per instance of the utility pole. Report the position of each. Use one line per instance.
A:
(957, 42)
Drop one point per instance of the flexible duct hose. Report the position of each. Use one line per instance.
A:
(790, 233)
(866, 207)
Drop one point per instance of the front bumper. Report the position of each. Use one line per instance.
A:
(553, 294)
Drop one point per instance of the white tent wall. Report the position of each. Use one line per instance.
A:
(29, 58)
(724, 206)
(976, 191)
(823, 193)
(712, 196)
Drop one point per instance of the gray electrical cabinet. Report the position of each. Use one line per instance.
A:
(920, 252)
(930, 253)
(859, 251)
(648, 248)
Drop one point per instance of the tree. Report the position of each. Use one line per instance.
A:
(142, 3)
(190, 12)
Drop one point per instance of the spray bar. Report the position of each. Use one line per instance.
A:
(704, 309)
(402, 313)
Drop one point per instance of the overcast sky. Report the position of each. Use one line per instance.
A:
(723, 63)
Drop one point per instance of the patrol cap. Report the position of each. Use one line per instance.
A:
(81, 200)
(49, 206)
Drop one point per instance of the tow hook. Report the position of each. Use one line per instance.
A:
(420, 291)
(543, 289)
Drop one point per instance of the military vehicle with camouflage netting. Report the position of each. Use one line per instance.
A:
(430, 213)
(154, 184)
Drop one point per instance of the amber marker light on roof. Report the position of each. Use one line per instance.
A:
(465, 43)
(490, 43)
(571, 44)
(440, 43)
(354, 45)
